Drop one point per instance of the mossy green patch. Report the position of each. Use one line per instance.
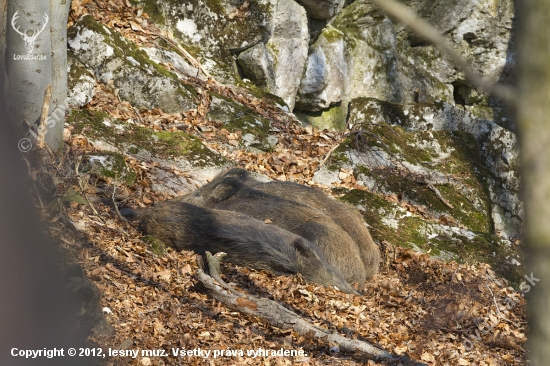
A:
(237, 117)
(161, 144)
(453, 154)
(332, 34)
(110, 165)
(77, 70)
(72, 196)
(376, 209)
(388, 222)
(153, 10)
(158, 247)
(349, 19)
(260, 93)
(339, 158)
(332, 118)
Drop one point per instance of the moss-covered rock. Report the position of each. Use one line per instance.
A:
(217, 31)
(389, 221)
(497, 148)
(109, 165)
(157, 246)
(357, 55)
(80, 83)
(363, 53)
(333, 118)
(410, 165)
(213, 30)
(430, 188)
(353, 56)
(135, 139)
(118, 62)
(166, 150)
(237, 117)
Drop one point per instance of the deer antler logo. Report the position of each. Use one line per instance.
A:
(29, 40)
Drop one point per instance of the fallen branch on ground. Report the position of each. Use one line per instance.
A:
(276, 314)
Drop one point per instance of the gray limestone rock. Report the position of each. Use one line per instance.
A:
(287, 48)
(180, 64)
(219, 31)
(255, 65)
(81, 84)
(498, 146)
(118, 63)
(362, 53)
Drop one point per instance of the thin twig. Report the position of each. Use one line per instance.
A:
(63, 159)
(193, 61)
(138, 115)
(495, 302)
(82, 189)
(498, 310)
(328, 155)
(440, 196)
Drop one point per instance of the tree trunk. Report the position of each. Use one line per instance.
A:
(59, 10)
(35, 310)
(28, 56)
(36, 56)
(534, 126)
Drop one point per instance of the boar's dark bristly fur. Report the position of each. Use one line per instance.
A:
(248, 242)
(230, 193)
(346, 216)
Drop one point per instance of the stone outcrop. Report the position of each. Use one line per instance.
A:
(498, 147)
(271, 35)
(117, 62)
(356, 50)
(81, 83)
(362, 53)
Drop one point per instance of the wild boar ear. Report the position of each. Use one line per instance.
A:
(239, 173)
(225, 189)
(300, 245)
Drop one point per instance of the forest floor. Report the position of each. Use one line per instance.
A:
(431, 311)
(434, 312)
